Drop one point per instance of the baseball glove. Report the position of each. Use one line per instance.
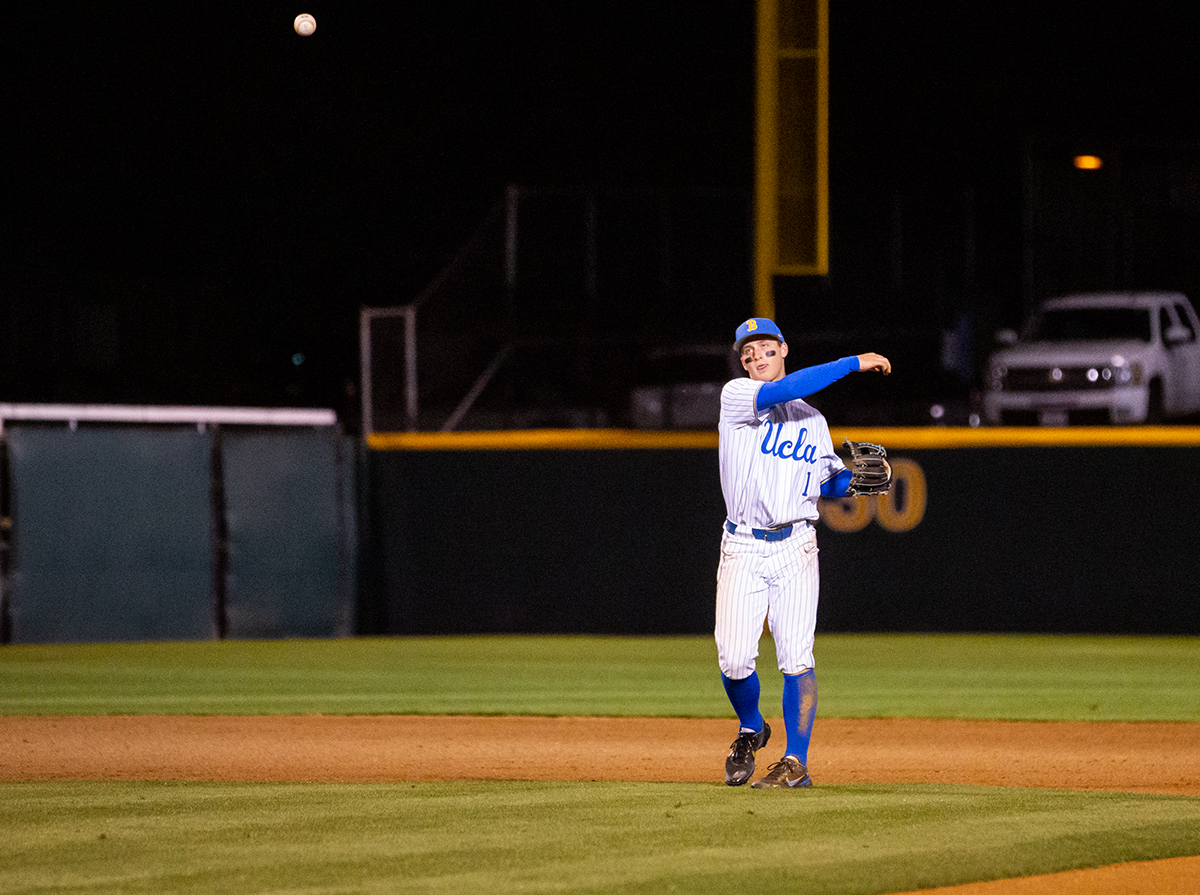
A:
(870, 471)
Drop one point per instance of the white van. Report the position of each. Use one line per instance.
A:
(1098, 358)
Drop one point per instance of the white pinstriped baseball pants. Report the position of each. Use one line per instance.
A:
(775, 580)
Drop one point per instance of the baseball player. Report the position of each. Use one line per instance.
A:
(777, 459)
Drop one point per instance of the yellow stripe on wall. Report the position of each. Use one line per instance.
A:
(933, 437)
(539, 439)
(901, 437)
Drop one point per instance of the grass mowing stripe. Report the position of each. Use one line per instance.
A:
(1013, 677)
(1016, 677)
(564, 837)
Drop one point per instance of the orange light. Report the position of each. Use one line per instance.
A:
(1088, 162)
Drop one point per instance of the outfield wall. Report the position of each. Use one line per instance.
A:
(1072, 531)
(126, 531)
(170, 532)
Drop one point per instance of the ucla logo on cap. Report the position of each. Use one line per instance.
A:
(758, 327)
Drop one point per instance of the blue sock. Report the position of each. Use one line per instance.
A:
(799, 711)
(743, 695)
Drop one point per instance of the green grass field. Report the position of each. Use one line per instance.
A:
(583, 837)
(1017, 677)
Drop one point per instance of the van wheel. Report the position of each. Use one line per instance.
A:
(1154, 412)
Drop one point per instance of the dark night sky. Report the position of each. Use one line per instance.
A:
(249, 189)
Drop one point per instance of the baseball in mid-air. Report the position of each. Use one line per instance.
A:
(304, 24)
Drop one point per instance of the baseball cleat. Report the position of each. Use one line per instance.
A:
(785, 774)
(739, 766)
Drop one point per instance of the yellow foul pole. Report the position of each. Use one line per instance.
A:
(791, 145)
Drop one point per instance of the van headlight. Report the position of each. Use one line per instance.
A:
(1125, 372)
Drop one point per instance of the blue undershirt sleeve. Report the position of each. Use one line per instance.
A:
(804, 382)
(838, 485)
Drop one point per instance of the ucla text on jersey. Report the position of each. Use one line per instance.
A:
(801, 452)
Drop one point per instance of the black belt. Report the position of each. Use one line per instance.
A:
(765, 534)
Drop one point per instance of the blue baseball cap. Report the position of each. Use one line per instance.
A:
(756, 328)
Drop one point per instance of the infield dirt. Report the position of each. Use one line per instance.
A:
(1124, 757)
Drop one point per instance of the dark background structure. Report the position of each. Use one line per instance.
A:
(198, 201)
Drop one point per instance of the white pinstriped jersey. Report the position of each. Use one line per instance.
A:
(773, 462)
